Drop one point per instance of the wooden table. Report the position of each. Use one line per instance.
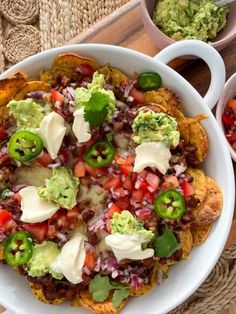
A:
(124, 28)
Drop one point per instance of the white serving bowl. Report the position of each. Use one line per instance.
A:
(185, 277)
(229, 92)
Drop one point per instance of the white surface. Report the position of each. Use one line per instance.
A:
(229, 92)
(185, 277)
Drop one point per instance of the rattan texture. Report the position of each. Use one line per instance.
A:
(30, 26)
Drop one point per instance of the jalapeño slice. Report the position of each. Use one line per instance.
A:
(149, 80)
(100, 154)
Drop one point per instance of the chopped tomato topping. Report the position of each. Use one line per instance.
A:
(73, 213)
(143, 214)
(227, 120)
(149, 197)
(38, 230)
(153, 180)
(120, 192)
(137, 195)
(143, 175)
(139, 97)
(52, 231)
(80, 169)
(113, 181)
(124, 161)
(85, 69)
(5, 218)
(170, 183)
(44, 159)
(91, 171)
(126, 169)
(127, 184)
(57, 97)
(187, 189)
(123, 203)
(90, 260)
(113, 209)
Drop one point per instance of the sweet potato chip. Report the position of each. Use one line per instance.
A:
(65, 65)
(200, 233)
(164, 97)
(9, 87)
(38, 293)
(1, 253)
(157, 107)
(114, 75)
(199, 183)
(147, 287)
(31, 87)
(210, 209)
(186, 241)
(105, 307)
(76, 302)
(198, 138)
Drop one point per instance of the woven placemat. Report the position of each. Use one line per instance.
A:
(30, 26)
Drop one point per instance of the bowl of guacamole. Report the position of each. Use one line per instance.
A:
(167, 21)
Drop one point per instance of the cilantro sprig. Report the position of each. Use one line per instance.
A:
(96, 109)
(100, 288)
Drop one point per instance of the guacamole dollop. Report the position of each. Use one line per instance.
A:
(125, 223)
(61, 188)
(155, 127)
(28, 114)
(181, 19)
(95, 98)
(44, 255)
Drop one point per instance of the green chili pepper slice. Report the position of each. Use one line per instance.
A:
(149, 81)
(24, 146)
(99, 154)
(18, 249)
(166, 244)
(170, 205)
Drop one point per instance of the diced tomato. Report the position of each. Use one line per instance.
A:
(59, 217)
(120, 192)
(123, 203)
(38, 230)
(113, 181)
(149, 197)
(73, 213)
(85, 69)
(227, 120)
(124, 161)
(5, 218)
(143, 175)
(44, 159)
(108, 226)
(90, 260)
(153, 180)
(232, 104)
(100, 171)
(80, 169)
(2, 134)
(127, 184)
(91, 171)
(137, 195)
(143, 214)
(52, 231)
(187, 189)
(126, 170)
(231, 137)
(113, 209)
(170, 183)
(57, 97)
(139, 97)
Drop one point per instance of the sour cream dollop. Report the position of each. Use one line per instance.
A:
(152, 154)
(128, 246)
(71, 259)
(81, 128)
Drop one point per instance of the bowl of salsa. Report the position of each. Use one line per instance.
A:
(226, 114)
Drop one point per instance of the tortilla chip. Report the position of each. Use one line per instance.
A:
(147, 287)
(38, 293)
(199, 183)
(181, 120)
(1, 253)
(210, 209)
(9, 87)
(186, 241)
(164, 97)
(105, 307)
(31, 87)
(200, 233)
(156, 107)
(76, 302)
(114, 75)
(65, 65)
(198, 138)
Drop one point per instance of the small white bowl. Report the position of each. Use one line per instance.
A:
(229, 92)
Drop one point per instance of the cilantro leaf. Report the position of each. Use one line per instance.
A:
(119, 295)
(166, 244)
(96, 109)
(100, 287)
